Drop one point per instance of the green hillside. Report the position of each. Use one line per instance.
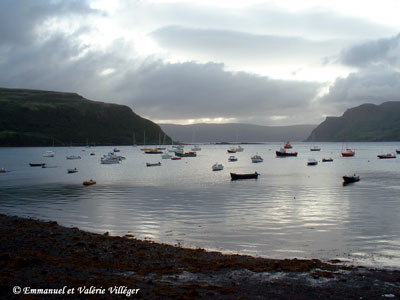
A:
(367, 122)
(37, 118)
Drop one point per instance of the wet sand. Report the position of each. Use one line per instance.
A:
(49, 258)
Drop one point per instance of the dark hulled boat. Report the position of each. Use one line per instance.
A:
(235, 176)
(389, 155)
(37, 165)
(351, 179)
(284, 153)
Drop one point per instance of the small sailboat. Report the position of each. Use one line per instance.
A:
(347, 152)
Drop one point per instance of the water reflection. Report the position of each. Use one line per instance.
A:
(290, 211)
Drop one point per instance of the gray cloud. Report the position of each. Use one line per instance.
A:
(227, 45)
(382, 51)
(372, 85)
(20, 19)
(190, 90)
(264, 19)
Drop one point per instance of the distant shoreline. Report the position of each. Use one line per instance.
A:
(45, 255)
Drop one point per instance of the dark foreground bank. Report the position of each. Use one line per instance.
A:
(42, 260)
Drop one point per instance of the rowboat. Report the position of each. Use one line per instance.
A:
(153, 164)
(235, 176)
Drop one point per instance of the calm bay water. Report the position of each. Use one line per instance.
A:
(292, 210)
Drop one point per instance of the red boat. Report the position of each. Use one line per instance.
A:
(288, 145)
(348, 153)
(389, 155)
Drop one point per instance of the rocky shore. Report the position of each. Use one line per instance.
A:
(42, 260)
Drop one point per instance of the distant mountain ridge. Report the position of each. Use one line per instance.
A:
(367, 122)
(41, 118)
(236, 133)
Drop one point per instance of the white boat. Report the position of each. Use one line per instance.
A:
(116, 150)
(315, 148)
(165, 155)
(73, 157)
(217, 167)
(232, 158)
(110, 158)
(196, 148)
(49, 153)
(312, 162)
(72, 170)
(256, 159)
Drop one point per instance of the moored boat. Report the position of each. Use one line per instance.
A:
(232, 158)
(186, 154)
(89, 182)
(153, 164)
(176, 158)
(74, 170)
(389, 155)
(288, 145)
(398, 151)
(73, 157)
(196, 148)
(351, 179)
(315, 148)
(256, 159)
(283, 153)
(327, 159)
(235, 176)
(37, 165)
(312, 162)
(348, 153)
(153, 151)
(217, 167)
(49, 153)
(3, 170)
(231, 150)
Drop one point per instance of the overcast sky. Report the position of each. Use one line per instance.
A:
(262, 62)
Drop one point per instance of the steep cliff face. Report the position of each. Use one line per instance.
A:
(367, 122)
(35, 118)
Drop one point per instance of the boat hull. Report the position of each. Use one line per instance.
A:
(284, 154)
(37, 165)
(350, 179)
(235, 176)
